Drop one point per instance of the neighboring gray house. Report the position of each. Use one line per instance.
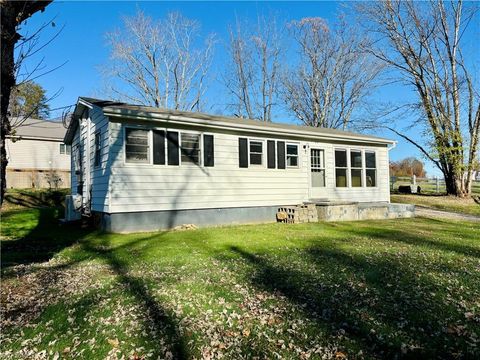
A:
(143, 168)
(37, 155)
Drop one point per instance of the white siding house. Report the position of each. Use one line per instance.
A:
(143, 168)
(37, 155)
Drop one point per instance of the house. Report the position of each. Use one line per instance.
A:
(37, 155)
(140, 168)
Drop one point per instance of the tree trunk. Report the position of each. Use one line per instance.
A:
(456, 186)
(9, 37)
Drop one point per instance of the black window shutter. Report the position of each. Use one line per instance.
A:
(208, 158)
(242, 152)
(271, 154)
(281, 154)
(172, 147)
(159, 147)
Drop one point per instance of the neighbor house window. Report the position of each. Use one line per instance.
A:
(97, 150)
(136, 146)
(356, 168)
(341, 168)
(190, 148)
(256, 153)
(292, 155)
(370, 168)
(65, 149)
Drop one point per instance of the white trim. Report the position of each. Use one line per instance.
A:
(263, 142)
(286, 155)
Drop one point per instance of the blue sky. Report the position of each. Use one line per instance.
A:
(83, 47)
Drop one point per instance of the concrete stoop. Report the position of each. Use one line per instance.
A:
(350, 211)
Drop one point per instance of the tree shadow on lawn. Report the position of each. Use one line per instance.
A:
(380, 302)
(42, 242)
(48, 238)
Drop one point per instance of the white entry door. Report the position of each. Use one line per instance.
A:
(317, 173)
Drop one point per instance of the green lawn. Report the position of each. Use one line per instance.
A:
(441, 202)
(373, 289)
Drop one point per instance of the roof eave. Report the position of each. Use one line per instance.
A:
(218, 124)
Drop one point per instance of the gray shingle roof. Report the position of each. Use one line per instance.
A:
(38, 129)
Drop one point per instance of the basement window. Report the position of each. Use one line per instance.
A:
(137, 146)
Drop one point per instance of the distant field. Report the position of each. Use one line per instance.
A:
(429, 186)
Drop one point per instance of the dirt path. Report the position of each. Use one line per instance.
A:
(428, 212)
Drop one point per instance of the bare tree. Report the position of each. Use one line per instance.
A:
(159, 63)
(252, 76)
(422, 43)
(13, 15)
(334, 74)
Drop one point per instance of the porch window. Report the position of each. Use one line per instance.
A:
(341, 168)
(137, 146)
(292, 155)
(190, 148)
(256, 152)
(356, 168)
(371, 168)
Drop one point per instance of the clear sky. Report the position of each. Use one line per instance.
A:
(83, 47)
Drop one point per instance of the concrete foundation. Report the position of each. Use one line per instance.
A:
(163, 220)
(338, 211)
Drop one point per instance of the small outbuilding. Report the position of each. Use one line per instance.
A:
(140, 168)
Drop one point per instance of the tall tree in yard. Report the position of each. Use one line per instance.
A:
(13, 14)
(253, 74)
(334, 75)
(159, 62)
(29, 100)
(422, 43)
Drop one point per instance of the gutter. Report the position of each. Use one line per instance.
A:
(218, 124)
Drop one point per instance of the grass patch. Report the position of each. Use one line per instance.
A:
(441, 202)
(373, 289)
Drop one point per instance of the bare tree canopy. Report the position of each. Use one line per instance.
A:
(422, 43)
(159, 62)
(334, 74)
(252, 75)
(13, 14)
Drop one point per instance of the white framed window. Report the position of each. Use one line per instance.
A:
(356, 168)
(255, 148)
(292, 155)
(341, 168)
(137, 146)
(190, 148)
(370, 168)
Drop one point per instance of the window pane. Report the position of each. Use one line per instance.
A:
(255, 159)
(190, 148)
(370, 160)
(62, 148)
(318, 178)
(371, 178)
(292, 149)
(68, 149)
(356, 159)
(136, 145)
(255, 146)
(292, 160)
(341, 177)
(356, 178)
(340, 158)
